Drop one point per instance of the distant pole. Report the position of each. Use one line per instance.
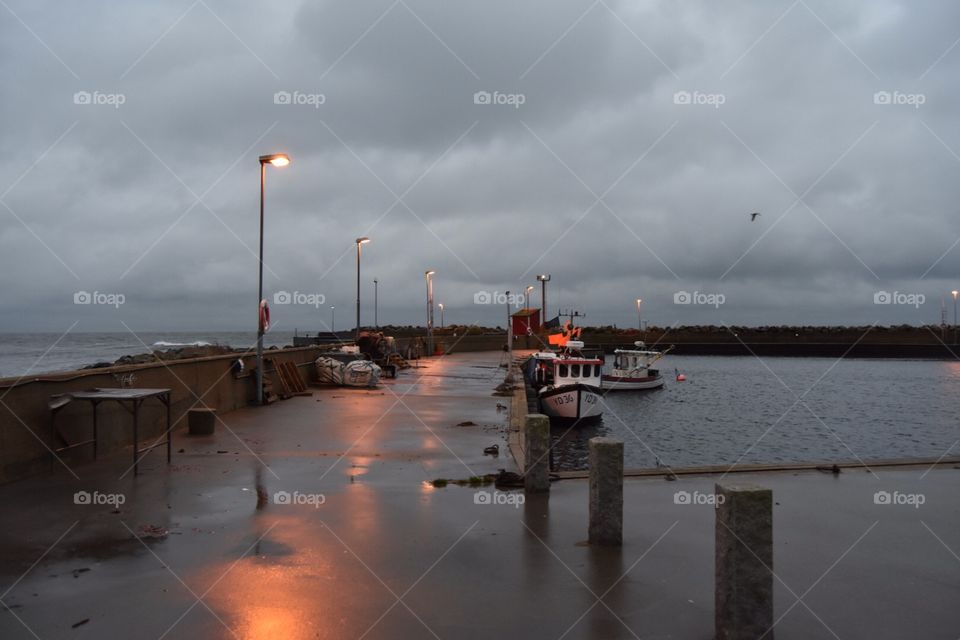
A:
(376, 321)
(955, 292)
(509, 332)
(428, 276)
(360, 241)
(333, 319)
(544, 279)
(639, 321)
(440, 304)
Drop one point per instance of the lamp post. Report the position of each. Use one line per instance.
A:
(509, 335)
(277, 160)
(428, 276)
(376, 321)
(360, 241)
(639, 321)
(544, 279)
(954, 293)
(440, 304)
(333, 319)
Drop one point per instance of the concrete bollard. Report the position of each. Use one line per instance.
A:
(201, 421)
(606, 491)
(536, 446)
(744, 563)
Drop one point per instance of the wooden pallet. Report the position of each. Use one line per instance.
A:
(291, 383)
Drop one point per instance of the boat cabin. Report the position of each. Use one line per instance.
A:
(572, 367)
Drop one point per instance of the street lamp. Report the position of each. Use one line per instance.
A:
(376, 321)
(955, 292)
(277, 160)
(360, 241)
(333, 319)
(428, 277)
(440, 304)
(639, 321)
(544, 279)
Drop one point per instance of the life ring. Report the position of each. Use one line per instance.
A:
(264, 316)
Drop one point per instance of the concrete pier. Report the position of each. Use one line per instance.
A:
(536, 477)
(606, 491)
(744, 562)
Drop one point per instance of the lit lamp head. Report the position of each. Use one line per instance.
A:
(276, 159)
(955, 292)
(363, 240)
(429, 273)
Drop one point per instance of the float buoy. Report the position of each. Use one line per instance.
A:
(680, 376)
(264, 316)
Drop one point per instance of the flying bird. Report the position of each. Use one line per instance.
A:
(753, 216)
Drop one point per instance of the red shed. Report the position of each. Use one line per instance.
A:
(526, 322)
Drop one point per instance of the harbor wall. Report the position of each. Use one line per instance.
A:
(210, 382)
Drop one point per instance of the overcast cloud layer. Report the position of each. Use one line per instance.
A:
(632, 142)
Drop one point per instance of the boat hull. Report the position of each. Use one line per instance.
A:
(618, 383)
(571, 402)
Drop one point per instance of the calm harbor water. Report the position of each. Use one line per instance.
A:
(742, 409)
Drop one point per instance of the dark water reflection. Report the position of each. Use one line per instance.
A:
(743, 409)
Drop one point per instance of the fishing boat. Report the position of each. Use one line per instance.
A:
(567, 383)
(633, 369)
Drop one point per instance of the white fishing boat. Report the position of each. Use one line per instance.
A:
(567, 383)
(633, 369)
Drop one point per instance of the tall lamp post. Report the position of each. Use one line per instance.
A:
(360, 242)
(376, 320)
(544, 279)
(428, 276)
(639, 321)
(333, 319)
(954, 293)
(440, 304)
(277, 160)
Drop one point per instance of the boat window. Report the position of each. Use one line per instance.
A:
(562, 371)
(575, 371)
(597, 370)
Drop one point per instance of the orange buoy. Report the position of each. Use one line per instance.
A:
(681, 378)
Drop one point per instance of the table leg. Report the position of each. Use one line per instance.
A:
(169, 434)
(95, 438)
(136, 440)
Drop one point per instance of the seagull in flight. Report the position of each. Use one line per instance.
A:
(753, 216)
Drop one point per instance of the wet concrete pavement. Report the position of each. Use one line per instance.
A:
(191, 553)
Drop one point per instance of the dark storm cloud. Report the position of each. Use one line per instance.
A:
(602, 175)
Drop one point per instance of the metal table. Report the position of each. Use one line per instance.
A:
(135, 398)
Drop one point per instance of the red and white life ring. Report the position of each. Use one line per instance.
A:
(264, 316)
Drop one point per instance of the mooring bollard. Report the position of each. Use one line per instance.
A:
(606, 491)
(536, 445)
(744, 563)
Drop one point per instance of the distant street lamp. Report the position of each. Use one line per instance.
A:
(376, 321)
(955, 292)
(440, 304)
(639, 321)
(333, 319)
(428, 277)
(277, 160)
(360, 241)
(544, 279)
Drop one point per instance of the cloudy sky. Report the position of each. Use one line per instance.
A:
(618, 146)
